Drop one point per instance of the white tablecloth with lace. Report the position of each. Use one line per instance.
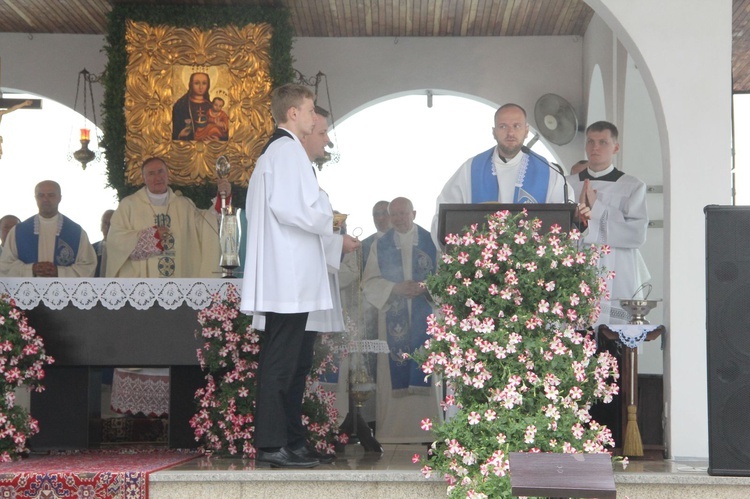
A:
(113, 294)
(134, 390)
(141, 391)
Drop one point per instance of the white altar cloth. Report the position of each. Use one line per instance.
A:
(113, 294)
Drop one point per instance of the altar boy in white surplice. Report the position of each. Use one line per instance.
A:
(286, 275)
(617, 216)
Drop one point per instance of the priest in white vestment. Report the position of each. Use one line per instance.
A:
(399, 263)
(158, 233)
(617, 217)
(155, 233)
(506, 173)
(48, 244)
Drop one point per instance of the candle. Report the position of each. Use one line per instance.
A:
(85, 133)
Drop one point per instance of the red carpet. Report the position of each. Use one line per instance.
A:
(89, 474)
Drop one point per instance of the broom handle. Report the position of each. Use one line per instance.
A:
(632, 376)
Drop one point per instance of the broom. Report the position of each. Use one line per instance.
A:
(633, 445)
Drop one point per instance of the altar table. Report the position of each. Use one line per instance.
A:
(88, 324)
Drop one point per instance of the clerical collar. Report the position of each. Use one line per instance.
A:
(289, 132)
(158, 199)
(602, 173)
(499, 160)
(609, 174)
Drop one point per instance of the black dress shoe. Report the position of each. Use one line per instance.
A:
(284, 458)
(307, 452)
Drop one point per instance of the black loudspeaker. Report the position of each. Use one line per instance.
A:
(728, 339)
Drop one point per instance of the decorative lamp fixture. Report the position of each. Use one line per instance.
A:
(331, 154)
(84, 155)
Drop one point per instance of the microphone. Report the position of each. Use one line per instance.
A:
(554, 167)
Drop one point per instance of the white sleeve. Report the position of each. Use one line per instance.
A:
(456, 190)
(376, 288)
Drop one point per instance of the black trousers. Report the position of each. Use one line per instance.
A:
(296, 433)
(279, 359)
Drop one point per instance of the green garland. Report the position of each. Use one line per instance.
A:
(204, 17)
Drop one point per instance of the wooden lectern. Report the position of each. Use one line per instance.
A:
(455, 218)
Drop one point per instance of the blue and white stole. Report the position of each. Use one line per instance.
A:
(66, 241)
(406, 332)
(531, 184)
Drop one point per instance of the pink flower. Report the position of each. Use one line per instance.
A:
(454, 447)
(577, 430)
(530, 434)
(415, 458)
(426, 424)
(474, 418)
(576, 393)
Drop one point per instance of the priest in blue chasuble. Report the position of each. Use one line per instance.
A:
(506, 173)
(49, 244)
(398, 265)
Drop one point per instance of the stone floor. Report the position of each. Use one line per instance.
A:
(393, 475)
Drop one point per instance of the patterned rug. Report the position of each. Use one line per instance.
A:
(89, 474)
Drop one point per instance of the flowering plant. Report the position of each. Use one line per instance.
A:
(22, 361)
(230, 354)
(512, 344)
(320, 415)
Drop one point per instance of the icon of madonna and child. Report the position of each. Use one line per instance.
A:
(197, 116)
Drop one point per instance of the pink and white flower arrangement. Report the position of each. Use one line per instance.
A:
(22, 361)
(512, 344)
(224, 423)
